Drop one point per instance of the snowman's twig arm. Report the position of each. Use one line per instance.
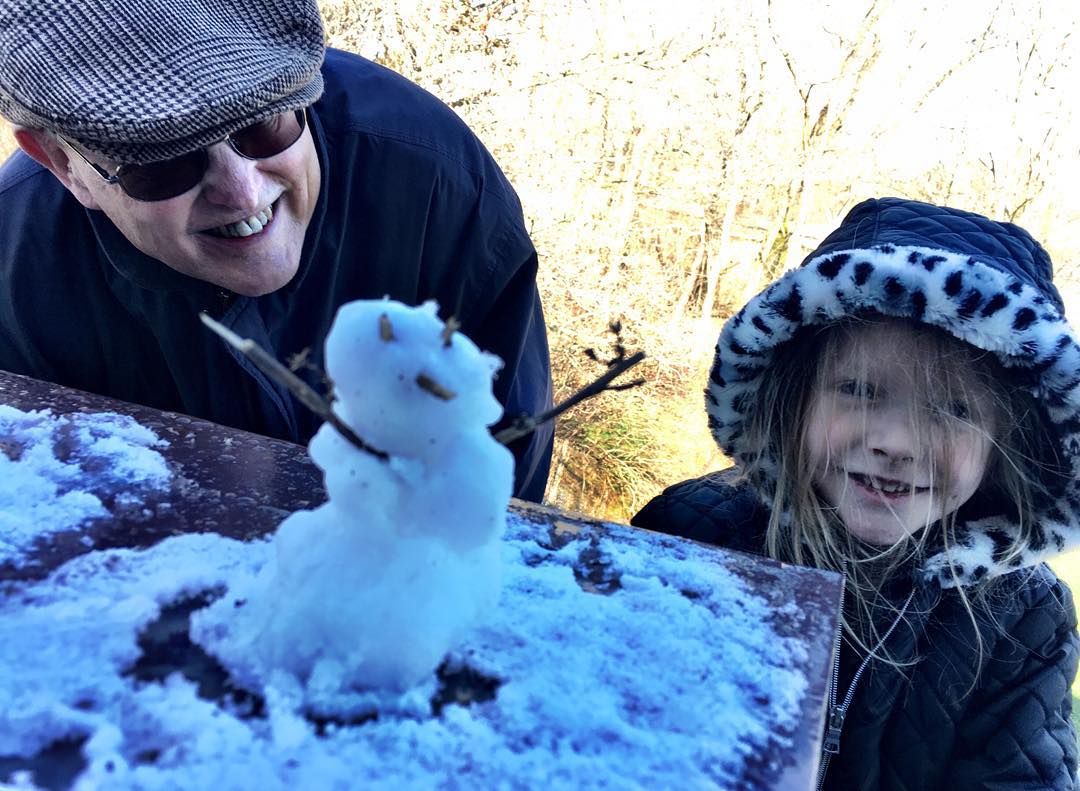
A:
(527, 423)
(297, 386)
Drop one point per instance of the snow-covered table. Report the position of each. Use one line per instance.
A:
(618, 658)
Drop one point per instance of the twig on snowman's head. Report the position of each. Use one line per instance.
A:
(297, 386)
(386, 329)
(451, 326)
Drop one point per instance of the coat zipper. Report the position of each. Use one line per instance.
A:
(224, 300)
(831, 742)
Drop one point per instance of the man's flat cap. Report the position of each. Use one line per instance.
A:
(143, 80)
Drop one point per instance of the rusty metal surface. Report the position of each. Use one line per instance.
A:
(242, 485)
(224, 480)
(805, 603)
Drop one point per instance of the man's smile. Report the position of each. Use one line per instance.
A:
(246, 226)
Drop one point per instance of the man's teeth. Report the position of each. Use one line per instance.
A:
(247, 227)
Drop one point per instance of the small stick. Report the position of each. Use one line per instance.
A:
(386, 329)
(452, 325)
(429, 385)
(526, 424)
(297, 386)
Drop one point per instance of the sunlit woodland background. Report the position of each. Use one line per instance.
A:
(673, 157)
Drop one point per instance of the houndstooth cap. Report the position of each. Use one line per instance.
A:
(143, 80)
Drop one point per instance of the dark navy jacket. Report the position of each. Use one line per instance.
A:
(934, 724)
(412, 207)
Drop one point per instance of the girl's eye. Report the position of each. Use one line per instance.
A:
(959, 410)
(857, 389)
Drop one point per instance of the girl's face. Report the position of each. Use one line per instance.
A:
(894, 445)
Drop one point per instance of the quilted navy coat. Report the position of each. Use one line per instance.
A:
(916, 730)
(956, 718)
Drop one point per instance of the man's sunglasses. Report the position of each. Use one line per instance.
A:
(168, 178)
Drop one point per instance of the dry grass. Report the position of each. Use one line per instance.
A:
(7, 142)
(669, 164)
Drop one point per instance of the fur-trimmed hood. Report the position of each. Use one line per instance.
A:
(986, 283)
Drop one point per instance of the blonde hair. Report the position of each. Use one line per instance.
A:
(805, 529)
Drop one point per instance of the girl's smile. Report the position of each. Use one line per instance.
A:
(885, 489)
(884, 454)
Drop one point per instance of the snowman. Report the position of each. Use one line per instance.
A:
(372, 589)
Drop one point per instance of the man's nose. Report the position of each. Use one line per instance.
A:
(231, 180)
(890, 433)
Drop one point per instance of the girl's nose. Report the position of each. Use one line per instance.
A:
(890, 434)
(231, 180)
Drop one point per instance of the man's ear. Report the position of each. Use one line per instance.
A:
(44, 148)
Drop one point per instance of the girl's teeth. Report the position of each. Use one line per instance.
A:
(887, 488)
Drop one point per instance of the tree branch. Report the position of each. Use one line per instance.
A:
(526, 424)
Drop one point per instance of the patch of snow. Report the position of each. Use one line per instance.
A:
(645, 687)
(45, 464)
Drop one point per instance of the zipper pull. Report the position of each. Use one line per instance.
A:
(832, 731)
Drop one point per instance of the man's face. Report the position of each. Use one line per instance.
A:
(189, 232)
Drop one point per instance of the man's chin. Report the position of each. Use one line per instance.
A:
(252, 280)
(258, 288)
(251, 267)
